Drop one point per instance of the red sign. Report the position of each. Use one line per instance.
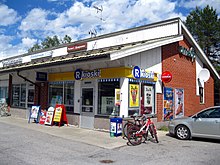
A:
(77, 47)
(166, 76)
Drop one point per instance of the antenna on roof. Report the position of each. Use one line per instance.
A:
(98, 9)
(93, 33)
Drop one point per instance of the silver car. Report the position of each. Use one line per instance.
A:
(205, 124)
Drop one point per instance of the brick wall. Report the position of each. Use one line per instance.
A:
(184, 76)
(43, 94)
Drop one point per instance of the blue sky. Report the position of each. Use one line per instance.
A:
(26, 22)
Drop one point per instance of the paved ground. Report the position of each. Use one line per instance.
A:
(92, 137)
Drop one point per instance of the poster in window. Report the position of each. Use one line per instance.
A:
(107, 105)
(168, 103)
(133, 95)
(148, 96)
(179, 103)
(117, 97)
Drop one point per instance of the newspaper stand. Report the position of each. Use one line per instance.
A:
(115, 126)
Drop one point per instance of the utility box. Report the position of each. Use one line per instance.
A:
(115, 126)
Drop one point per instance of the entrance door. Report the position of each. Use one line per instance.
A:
(87, 108)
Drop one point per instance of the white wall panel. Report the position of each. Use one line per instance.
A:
(145, 34)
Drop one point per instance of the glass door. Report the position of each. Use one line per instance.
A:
(87, 108)
(87, 100)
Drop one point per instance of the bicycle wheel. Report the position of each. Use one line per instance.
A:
(145, 135)
(153, 132)
(133, 137)
(125, 128)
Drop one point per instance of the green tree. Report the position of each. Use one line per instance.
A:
(66, 39)
(204, 25)
(50, 42)
(35, 48)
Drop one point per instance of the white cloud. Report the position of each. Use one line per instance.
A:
(35, 20)
(7, 16)
(79, 19)
(28, 42)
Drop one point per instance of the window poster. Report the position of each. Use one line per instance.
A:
(107, 104)
(133, 95)
(117, 97)
(179, 103)
(168, 103)
(148, 96)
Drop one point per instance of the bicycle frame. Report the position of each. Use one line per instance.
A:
(135, 133)
(145, 127)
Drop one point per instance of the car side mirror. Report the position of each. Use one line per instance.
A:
(195, 117)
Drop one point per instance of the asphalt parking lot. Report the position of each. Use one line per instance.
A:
(23, 143)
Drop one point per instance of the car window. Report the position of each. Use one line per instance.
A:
(215, 113)
(209, 113)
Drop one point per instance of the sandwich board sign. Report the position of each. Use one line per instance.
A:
(34, 113)
(49, 116)
(60, 115)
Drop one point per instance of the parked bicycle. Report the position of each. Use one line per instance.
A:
(136, 133)
(136, 120)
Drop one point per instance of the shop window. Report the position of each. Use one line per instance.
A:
(19, 95)
(147, 99)
(3, 92)
(201, 95)
(106, 96)
(62, 93)
(30, 97)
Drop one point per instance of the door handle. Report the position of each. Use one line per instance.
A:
(217, 121)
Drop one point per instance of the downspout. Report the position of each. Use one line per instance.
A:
(38, 100)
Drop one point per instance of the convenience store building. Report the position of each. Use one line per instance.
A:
(153, 69)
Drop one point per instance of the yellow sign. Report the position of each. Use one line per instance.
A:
(104, 73)
(57, 115)
(133, 95)
(117, 97)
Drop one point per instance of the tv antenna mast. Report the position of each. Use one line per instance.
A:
(93, 33)
(99, 10)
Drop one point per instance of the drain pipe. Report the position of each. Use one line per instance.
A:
(38, 100)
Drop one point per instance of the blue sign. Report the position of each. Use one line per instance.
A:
(41, 76)
(81, 74)
(78, 74)
(136, 72)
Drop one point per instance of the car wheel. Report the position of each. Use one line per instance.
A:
(182, 132)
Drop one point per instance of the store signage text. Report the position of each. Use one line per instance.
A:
(81, 74)
(190, 53)
(41, 55)
(166, 76)
(41, 76)
(12, 62)
(142, 73)
(77, 47)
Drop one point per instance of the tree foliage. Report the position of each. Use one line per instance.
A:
(204, 25)
(50, 42)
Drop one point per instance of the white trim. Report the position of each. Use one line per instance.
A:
(144, 47)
